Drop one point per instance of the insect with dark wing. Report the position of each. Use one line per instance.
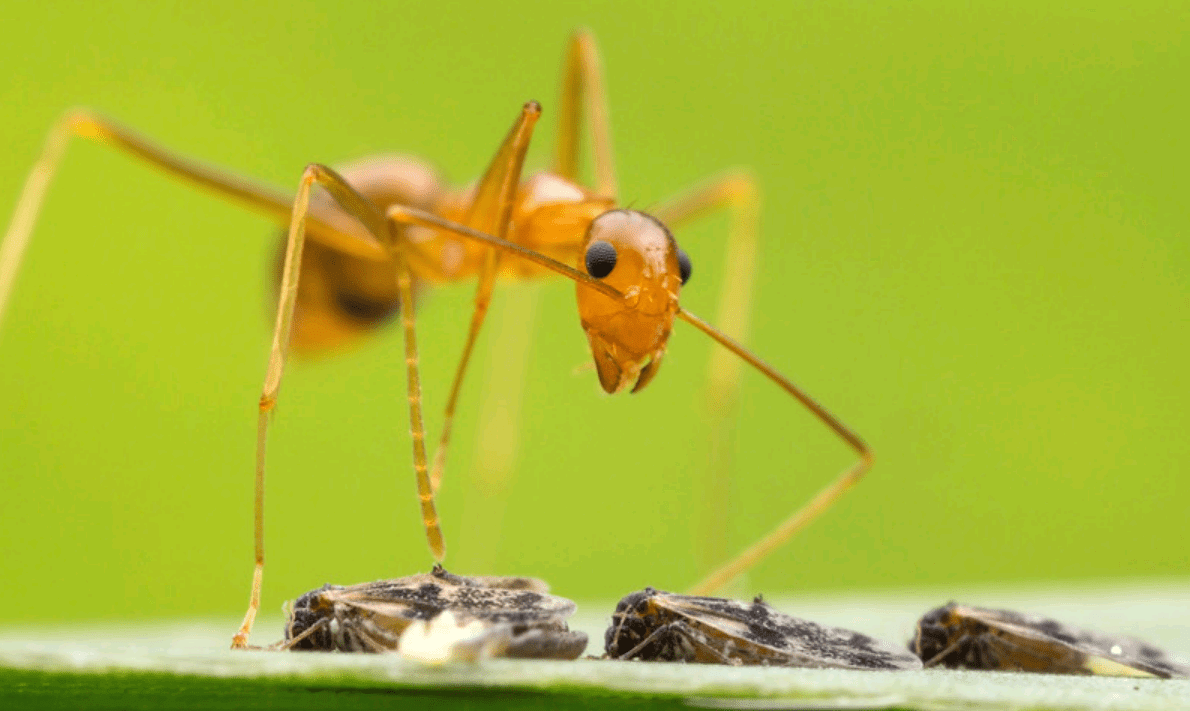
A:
(960, 637)
(653, 625)
(518, 617)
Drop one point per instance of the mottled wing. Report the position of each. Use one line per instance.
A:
(372, 616)
(1073, 650)
(779, 639)
(421, 597)
(536, 585)
(439, 573)
(516, 606)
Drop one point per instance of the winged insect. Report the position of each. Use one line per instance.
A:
(516, 617)
(960, 637)
(652, 625)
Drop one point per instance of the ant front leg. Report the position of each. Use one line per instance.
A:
(736, 192)
(739, 194)
(822, 501)
(582, 92)
(490, 212)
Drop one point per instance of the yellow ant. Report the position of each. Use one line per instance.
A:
(389, 221)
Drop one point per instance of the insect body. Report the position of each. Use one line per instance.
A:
(960, 637)
(356, 250)
(371, 617)
(652, 625)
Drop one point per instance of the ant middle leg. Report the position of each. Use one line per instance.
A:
(371, 218)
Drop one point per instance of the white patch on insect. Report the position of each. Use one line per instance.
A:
(447, 638)
(337, 631)
(1116, 649)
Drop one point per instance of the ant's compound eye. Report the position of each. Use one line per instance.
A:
(601, 259)
(684, 265)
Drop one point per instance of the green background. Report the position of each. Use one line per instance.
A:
(974, 250)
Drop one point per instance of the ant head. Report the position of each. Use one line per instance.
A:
(636, 254)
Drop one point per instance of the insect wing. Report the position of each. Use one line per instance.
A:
(779, 639)
(1140, 655)
(422, 597)
(1059, 648)
(440, 575)
(373, 616)
(530, 625)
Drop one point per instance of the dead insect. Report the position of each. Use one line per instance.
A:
(960, 637)
(520, 619)
(652, 625)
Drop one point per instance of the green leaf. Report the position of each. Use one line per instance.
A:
(188, 665)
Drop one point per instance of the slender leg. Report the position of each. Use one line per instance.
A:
(679, 629)
(399, 215)
(16, 239)
(490, 212)
(801, 517)
(291, 643)
(737, 192)
(797, 520)
(367, 213)
(582, 88)
(417, 432)
(369, 216)
(937, 658)
(483, 297)
(483, 503)
(332, 230)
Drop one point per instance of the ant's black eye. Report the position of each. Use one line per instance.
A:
(684, 266)
(601, 259)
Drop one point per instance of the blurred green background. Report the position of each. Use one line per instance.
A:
(974, 250)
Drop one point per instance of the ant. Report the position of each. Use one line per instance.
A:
(354, 251)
